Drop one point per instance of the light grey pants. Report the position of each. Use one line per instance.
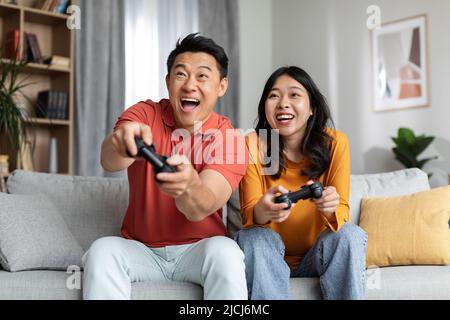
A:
(112, 263)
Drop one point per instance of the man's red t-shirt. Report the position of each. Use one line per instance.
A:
(152, 217)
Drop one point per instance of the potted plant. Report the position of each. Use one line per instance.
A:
(14, 119)
(408, 147)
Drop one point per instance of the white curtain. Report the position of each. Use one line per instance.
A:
(152, 28)
(177, 18)
(141, 51)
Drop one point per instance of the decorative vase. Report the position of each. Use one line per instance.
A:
(4, 165)
(53, 156)
(4, 171)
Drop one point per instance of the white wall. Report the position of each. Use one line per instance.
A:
(331, 41)
(301, 38)
(255, 19)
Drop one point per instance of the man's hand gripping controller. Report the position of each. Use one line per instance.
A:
(313, 191)
(158, 162)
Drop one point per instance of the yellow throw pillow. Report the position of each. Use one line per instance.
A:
(406, 230)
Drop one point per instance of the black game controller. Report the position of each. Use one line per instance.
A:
(158, 162)
(313, 191)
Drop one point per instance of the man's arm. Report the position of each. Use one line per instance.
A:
(205, 197)
(111, 159)
(114, 148)
(196, 195)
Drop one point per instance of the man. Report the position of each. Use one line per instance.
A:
(173, 229)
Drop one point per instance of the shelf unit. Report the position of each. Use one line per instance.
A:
(54, 38)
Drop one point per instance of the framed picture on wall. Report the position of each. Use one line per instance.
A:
(399, 62)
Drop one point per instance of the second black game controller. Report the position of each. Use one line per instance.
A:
(313, 191)
(158, 162)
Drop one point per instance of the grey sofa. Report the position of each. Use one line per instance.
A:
(94, 207)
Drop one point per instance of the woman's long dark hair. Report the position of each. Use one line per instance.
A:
(315, 145)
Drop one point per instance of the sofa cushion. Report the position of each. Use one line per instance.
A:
(408, 283)
(92, 207)
(36, 285)
(389, 283)
(393, 283)
(233, 214)
(396, 183)
(34, 236)
(408, 230)
(305, 289)
(52, 285)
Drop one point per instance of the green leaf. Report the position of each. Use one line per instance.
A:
(421, 163)
(422, 143)
(406, 152)
(406, 135)
(404, 157)
(396, 140)
(406, 147)
(13, 122)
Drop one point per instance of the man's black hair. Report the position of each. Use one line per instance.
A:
(196, 43)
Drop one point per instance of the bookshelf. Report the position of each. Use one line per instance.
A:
(54, 39)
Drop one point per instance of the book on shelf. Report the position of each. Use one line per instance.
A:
(57, 6)
(40, 4)
(12, 43)
(9, 2)
(52, 104)
(44, 4)
(58, 61)
(62, 6)
(33, 51)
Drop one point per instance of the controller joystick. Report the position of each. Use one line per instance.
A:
(313, 191)
(158, 162)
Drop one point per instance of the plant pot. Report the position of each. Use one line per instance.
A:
(4, 165)
(7, 150)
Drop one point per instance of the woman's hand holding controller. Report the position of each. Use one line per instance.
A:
(266, 210)
(328, 203)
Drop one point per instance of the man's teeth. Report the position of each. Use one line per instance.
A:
(285, 117)
(190, 101)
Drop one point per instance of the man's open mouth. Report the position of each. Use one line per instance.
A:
(189, 105)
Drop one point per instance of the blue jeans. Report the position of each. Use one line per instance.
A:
(338, 259)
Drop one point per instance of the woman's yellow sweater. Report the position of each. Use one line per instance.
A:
(301, 230)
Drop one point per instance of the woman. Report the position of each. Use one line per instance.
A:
(312, 238)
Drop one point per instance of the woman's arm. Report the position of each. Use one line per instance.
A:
(250, 192)
(338, 176)
(257, 206)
